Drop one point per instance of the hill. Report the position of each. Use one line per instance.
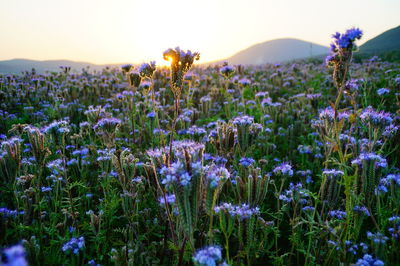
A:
(16, 66)
(279, 50)
(385, 45)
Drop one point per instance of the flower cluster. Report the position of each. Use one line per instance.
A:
(6, 213)
(181, 62)
(14, 256)
(338, 214)
(208, 256)
(241, 212)
(377, 238)
(74, 244)
(177, 173)
(146, 70)
(386, 182)
(368, 260)
(395, 229)
(243, 120)
(332, 173)
(362, 210)
(215, 174)
(295, 193)
(369, 115)
(340, 53)
(227, 71)
(366, 157)
(246, 162)
(283, 169)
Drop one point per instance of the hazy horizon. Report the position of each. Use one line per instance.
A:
(105, 32)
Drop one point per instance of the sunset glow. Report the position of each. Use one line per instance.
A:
(135, 31)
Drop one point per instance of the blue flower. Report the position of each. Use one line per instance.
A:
(74, 244)
(208, 256)
(246, 162)
(14, 256)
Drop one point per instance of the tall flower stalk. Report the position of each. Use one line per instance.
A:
(181, 62)
(340, 59)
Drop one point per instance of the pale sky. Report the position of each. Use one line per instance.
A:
(102, 32)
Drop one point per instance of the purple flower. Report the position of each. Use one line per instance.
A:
(243, 120)
(216, 174)
(283, 169)
(14, 256)
(362, 210)
(74, 244)
(169, 197)
(365, 157)
(382, 91)
(377, 238)
(338, 214)
(208, 256)
(368, 260)
(246, 162)
(241, 212)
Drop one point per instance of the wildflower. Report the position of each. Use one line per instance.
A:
(126, 67)
(382, 91)
(107, 124)
(243, 120)
(283, 169)
(134, 79)
(57, 127)
(244, 82)
(368, 260)
(181, 62)
(390, 131)
(377, 238)
(362, 210)
(395, 229)
(369, 115)
(308, 208)
(295, 192)
(338, 214)
(46, 189)
(246, 162)
(6, 213)
(216, 174)
(146, 70)
(332, 173)
(227, 71)
(175, 173)
(14, 256)
(208, 256)
(241, 212)
(74, 244)
(304, 149)
(169, 197)
(341, 53)
(151, 115)
(386, 182)
(365, 157)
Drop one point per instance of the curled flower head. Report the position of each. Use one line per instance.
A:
(181, 62)
(146, 70)
(14, 256)
(227, 71)
(208, 256)
(341, 53)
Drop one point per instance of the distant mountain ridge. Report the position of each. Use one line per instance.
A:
(16, 66)
(386, 45)
(387, 41)
(277, 51)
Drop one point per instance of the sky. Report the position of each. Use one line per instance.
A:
(133, 31)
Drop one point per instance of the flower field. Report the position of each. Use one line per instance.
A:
(286, 164)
